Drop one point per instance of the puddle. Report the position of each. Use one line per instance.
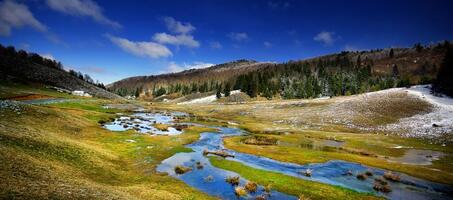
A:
(145, 123)
(418, 157)
(332, 172)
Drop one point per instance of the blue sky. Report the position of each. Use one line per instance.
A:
(111, 40)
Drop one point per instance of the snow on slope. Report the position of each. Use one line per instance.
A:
(208, 99)
(434, 124)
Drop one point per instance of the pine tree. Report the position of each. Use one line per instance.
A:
(227, 89)
(444, 80)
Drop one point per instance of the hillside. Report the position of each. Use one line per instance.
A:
(33, 69)
(330, 75)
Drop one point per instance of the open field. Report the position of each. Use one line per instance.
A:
(60, 151)
(301, 126)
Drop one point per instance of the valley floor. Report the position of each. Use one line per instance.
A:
(59, 150)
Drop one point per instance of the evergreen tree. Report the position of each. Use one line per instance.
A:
(391, 53)
(227, 89)
(444, 80)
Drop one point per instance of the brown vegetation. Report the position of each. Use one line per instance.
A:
(260, 140)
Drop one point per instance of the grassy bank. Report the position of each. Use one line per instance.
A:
(301, 123)
(61, 152)
(289, 184)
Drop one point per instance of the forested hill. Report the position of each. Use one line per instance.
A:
(343, 73)
(31, 68)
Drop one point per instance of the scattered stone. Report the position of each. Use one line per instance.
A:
(306, 173)
(348, 173)
(208, 179)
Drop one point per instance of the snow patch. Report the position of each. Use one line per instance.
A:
(208, 99)
(434, 124)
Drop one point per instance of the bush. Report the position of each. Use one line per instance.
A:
(361, 176)
(179, 169)
(391, 176)
(260, 140)
(251, 186)
(240, 191)
(233, 180)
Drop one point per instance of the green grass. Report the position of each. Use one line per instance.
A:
(289, 184)
(61, 152)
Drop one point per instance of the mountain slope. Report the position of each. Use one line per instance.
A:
(31, 68)
(353, 72)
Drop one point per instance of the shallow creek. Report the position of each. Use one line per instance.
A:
(211, 180)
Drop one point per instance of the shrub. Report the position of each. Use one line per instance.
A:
(240, 191)
(251, 186)
(233, 180)
(361, 176)
(179, 169)
(268, 188)
(391, 176)
(260, 140)
(381, 188)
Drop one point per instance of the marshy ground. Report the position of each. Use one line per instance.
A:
(60, 150)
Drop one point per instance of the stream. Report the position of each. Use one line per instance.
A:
(211, 180)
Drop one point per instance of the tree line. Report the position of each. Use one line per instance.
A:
(342, 74)
(11, 57)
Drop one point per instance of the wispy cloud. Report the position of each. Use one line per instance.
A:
(177, 26)
(83, 8)
(141, 48)
(238, 37)
(215, 45)
(17, 15)
(325, 37)
(183, 40)
(182, 34)
(267, 44)
(174, 67)
(48, 56)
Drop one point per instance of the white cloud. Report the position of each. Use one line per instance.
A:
(145, 49)
(267, 44)
(325, 37)
(84, 8)
(351, 48)
(238, 37)
(173, 67)
(16, 15)
(183, 40)
(48, 56)
(215, 45)
(198, 65)
(177, 26)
